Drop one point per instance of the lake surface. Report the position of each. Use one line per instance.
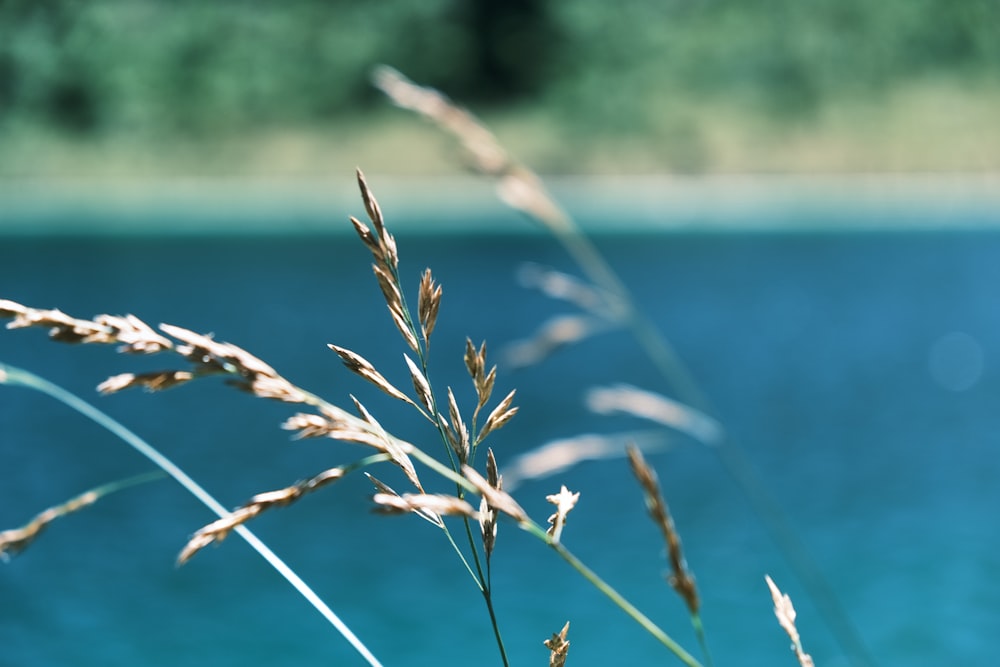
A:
(858, 373)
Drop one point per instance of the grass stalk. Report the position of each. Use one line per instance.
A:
(522, 190)
(616, 597)
(13, 376)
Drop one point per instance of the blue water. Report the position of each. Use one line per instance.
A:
(859, 373)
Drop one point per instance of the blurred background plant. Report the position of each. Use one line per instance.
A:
(115, 87)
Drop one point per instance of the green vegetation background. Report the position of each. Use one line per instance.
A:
(113, 88)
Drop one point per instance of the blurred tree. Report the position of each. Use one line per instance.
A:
(514, 47)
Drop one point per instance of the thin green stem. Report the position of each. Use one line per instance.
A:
(465, 562)
(135, 480)
(613, 595)
(19, 377)
(731, 455)
(465, 485)
(699, 631)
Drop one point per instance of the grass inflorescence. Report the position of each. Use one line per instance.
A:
(462, 495)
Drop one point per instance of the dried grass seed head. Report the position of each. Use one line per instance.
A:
(784, 611)
(16, 540)
(564, 502)
(428, 303)
(383, 488)
(496, 498)
(219, 529)
(155, 381)
(488, 515)
(436, 504)
(680, 578)
(133, 335)
(382, 244)
(558, 647)
(363, 368)
(500, 415)
(460, 439)
(420, 385)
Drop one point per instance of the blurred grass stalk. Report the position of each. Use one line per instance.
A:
(17, 377)
(521, 189)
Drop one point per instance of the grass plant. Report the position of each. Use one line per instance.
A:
(458, 488)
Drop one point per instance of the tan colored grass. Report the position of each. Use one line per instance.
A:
(133, 335)
(680, 578)
(655, 407)
(218, 530)
(558, 647)
(455, 429)
(784, 611)
(553, 335)
(363, 368)
(436, 503)
(556, 456)
(383, 248)
(500, 415)
(496, 498)
(488, 513)
(206, 355)
(16, 540)
(428, 303)
(517, 186)
(424, 513)
(564, 502)
(483, 381)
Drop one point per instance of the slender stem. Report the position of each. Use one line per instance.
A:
(488, 596)
(465, 562)
(465, 485)
(112, 487)
(673, 370)
(616, 597)
(19, 377)
(699, 630)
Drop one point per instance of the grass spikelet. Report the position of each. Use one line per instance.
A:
(420, 385)
(565, 287)
(680, 578)
(383, 488)
(556, 456)
(626, 399)
(554, 334)
(784, 611)
(386, 244)
(16, 540)
(362, 367)
(564, 502)
(475, 363)
(439, 504)
(132, 334)
(458, 427)
(428, 303)
(496, 498)
(558, 647)
(487, 513)
(396, 449)
(155, 381)
(394, 301)
(500, 415)
(517, 186)
(218, 530)
(486, 152)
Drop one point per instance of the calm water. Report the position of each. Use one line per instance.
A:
(860, 373)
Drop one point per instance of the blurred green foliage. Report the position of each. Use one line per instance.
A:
(159, 68)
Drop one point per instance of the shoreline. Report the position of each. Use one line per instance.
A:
(444, 205)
